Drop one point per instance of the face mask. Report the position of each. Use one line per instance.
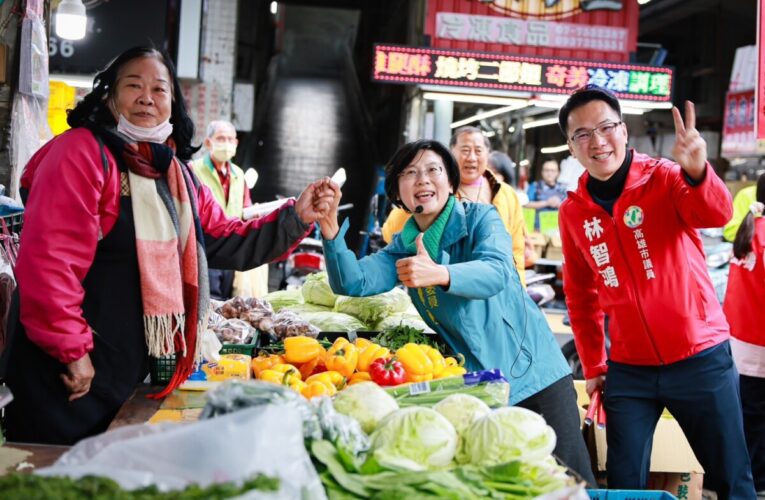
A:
(223, 151)
(158, 134)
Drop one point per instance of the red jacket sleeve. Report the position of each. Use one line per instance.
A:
(707, 204)
(61, 231)
(586, 316)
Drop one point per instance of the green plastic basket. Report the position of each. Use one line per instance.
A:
(248, 349)
(161, 369)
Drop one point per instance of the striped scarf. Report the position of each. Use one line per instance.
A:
(171, 257)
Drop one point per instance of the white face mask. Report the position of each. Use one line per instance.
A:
(223, 151)
(158, 134)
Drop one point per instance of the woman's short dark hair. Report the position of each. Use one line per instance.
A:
(503, 164)
(742, 243)
(94, 106)
(404, 157)
(582, 96)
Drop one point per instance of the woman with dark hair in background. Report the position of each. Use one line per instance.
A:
(455, 258)
(112, 266)
(746, 316)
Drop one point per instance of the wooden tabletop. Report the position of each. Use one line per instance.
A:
(136, 410)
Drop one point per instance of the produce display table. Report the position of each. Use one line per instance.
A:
(136, 410)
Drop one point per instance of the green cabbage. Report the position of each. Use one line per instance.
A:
(508, 434)
(414, 438)
(405, 319)
(462, 410)
(308, 308)
(328, 321)
(367, 402)
(284, 298)
(372, 310)
(316, 290)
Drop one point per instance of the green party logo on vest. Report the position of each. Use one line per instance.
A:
(633, 217)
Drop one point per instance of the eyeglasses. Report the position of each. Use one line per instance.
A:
(433, 172)
(606, 130)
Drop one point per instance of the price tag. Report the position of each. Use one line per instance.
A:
(419, 388)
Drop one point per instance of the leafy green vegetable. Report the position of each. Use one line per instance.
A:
(316, 290)
(333, 321)
(461, 410)
(367, 402)
(414, 439)
(403, 319)
(372, 309)
(397, 336)
(307, 308)
(508, 434)
(284, 298)
(19, 486)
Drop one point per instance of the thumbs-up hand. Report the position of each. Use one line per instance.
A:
(420, 271)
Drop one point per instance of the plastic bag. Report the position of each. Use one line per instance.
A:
(267, 439)
(490, 386)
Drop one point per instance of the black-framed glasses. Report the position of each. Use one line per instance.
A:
(607, 129)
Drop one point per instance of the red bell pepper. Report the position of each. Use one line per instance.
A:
(387, 372)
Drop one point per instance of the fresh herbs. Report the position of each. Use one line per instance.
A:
(398, 336)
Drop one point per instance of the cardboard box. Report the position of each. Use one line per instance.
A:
(554, 246)
(674, 466)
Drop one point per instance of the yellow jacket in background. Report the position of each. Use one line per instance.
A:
(504, 200)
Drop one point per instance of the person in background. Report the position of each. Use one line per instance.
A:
(746, 316)
(455, 259)
(570, 171)
(503, 168)
(477, 184)
(227, 185)
(546, 194)
(741, 203)
(632, 250)
(112, 267)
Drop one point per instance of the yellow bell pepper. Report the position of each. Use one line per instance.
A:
(361, 344)
(342, 357)
(272, 376)
(359, 377)
(439, 364)
(301, 349)
(333, 378)
(451, 361)
(316, 388)
(264, 362)
(290, 372)
(297, 385)
(369, 354)
(417, 364)
(452, 371)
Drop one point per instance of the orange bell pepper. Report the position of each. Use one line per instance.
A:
(301, 349)
(316, 365)
(264, 362)
(369, 354)
(342, 357)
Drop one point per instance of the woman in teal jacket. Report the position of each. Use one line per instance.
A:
(462, 279)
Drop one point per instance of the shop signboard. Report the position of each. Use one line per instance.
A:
(531, 75)
(580, 29)
(738, 129)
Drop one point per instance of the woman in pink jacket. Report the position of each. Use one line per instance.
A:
(746, 316)
(113, 261)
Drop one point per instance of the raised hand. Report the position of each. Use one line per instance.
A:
(420, 270)
(328, 193)
(690, 149)
(314, 202)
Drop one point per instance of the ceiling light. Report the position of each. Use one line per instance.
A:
(474, 99)
(488, 114)
(540, 123)
(643, 2)
(274, 8)
(78, 81)
(524, 163)
(71, 20)
(554, 149)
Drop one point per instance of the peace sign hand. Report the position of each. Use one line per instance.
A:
(690, 149)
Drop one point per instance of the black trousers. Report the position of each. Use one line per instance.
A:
(703, 395)
(557, 404)
(221, 283)
(753, 403)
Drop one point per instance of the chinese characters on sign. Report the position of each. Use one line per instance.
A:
(495, 29)
(532, 74)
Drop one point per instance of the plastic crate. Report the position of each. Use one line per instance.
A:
(161, 369)
(248, 349)
(630, 495)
